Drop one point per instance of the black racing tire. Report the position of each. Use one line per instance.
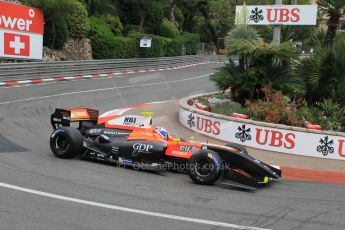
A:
(66, 142)
(237, 146)
(205, 167)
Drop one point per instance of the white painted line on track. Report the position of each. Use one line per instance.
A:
(102, 89)
(130, 210)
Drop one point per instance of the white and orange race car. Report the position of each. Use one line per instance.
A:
(132, 140)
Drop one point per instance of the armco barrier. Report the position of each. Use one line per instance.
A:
(32, 70)
(261, 135)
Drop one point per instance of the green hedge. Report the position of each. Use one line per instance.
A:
(116, 47)
(192, 41)
(175, 46)
(107, 46)
(157, 46)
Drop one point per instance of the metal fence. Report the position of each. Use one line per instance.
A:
(31, 70)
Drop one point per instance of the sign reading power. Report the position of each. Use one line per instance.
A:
(21, 31)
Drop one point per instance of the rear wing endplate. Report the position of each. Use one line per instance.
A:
(64, 117)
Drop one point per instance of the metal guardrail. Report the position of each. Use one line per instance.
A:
(31, 70)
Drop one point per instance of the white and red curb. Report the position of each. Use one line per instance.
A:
(97, 75)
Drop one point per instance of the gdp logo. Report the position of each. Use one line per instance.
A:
(21, 31)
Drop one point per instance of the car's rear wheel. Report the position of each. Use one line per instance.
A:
(66, 142)
(237, 146)
(205, 167)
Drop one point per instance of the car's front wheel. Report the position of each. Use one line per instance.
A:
(66, 142)
(205, 167)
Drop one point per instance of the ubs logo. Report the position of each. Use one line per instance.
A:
(190, 121)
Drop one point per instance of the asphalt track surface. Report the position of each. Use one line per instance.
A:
(39, 191)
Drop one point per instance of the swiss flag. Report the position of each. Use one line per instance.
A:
(16, 44)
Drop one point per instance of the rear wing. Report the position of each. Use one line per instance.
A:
(64, 117)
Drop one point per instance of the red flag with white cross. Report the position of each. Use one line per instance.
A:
(16, 44)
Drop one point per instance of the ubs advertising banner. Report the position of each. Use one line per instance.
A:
(277, 15)
(21, 31)
(267, 138)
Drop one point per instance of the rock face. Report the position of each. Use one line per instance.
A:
(78, 49)
(74, 49)
(52, 55)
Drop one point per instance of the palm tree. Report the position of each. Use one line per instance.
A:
(259, 64)
(334, 9)
(324, 73)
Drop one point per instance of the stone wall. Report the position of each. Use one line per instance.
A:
(74, 49)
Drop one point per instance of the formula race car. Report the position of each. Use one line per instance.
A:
(131, 140)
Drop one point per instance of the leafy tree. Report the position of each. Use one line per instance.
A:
(190, 9)
(168, 29)
(55, 37)
(113, 23)
(143, 13)
(55, 13)
(100, 7)
(179, 17)
(334, 9)
(77, 21)
(200, 26)
(154, 17)
(221, 15)
(172, 10)
(211, 19)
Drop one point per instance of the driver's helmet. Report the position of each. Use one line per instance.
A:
(162, 131)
